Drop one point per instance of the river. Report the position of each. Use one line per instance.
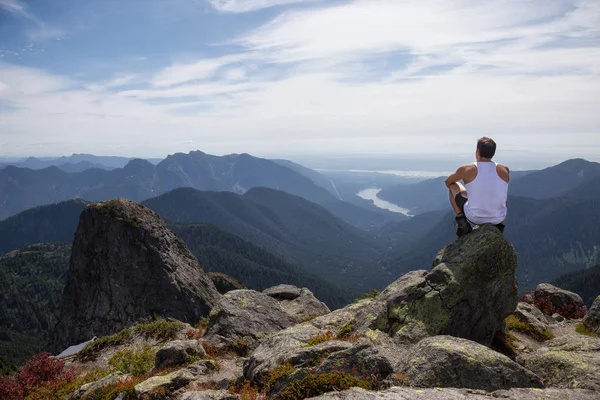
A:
(371, 194)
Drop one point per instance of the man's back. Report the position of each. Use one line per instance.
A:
(487, 187)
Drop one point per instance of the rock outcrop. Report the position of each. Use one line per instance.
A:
(446, 361)
(300, 304)
(550, 300)
(531, 314)
(571, 360)
(398, 393)
(125, 266)
(178, 352)
(592, 318)
(244, 317)
(469, 292)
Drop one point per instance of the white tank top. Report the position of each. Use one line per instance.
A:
(487, 195)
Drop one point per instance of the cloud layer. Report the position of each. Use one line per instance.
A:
(362, 76)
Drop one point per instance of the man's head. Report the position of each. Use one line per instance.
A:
(486, 148)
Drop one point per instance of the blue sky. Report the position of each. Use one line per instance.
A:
(296, 77)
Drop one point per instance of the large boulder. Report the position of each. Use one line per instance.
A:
(162, 383)
(565, 369)
(529, 313)
(209, 395)
(223, 376)
(398, 393)
(476, 282)
(446, 361)
(571, 360)
(592, 318)
(178, 352)
(467, 294)
(300, 304)
(125, 266)
(290, 346)
(244, 317)
(550, 299)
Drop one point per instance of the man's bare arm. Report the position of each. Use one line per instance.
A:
(455, 177)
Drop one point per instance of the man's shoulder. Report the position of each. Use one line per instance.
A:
(468, 167)
(503, 172)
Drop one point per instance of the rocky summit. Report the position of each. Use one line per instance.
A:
(431, 334)
(126, 265)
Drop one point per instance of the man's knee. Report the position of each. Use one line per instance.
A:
(457, 188)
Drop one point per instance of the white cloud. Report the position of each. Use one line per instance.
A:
(14, 6)
(241, 6)
(199, 70)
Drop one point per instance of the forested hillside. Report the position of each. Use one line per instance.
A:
(585, 282)
(32, 280)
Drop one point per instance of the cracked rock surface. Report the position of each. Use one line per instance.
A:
(126, 265)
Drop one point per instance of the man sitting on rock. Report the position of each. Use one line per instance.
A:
(483, 198)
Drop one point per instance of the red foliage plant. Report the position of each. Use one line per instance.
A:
(571, 310)
(41, 370)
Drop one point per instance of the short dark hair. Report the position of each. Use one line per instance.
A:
(486, 147)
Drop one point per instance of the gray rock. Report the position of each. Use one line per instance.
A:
(125, 266)
(467, 294)
(283, 292)
(209, 395)
(565, 369)
(290, 346)
(178, 352)
(476, 284)
(592, 318)
(85, 392)
(244, 317)
(228, 373)
(551, 299)
(556, 317)
(363, 360)
(202, 367)
(224, 283)
(169, 382)
(531, 314)
(300, 304)
(446, 361)
(397, 393)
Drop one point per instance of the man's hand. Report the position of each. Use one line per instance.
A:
(455, 177)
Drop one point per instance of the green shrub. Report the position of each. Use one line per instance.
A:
(315, 385)
(346, 330)
(326, 337)
(373, 295)
(91, 350)
(582, 329)
(160, 329)
(277, 373)
(133, 362)
(515, 324)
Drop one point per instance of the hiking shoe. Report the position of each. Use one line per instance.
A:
(462, 226)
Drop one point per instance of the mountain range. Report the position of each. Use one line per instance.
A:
(23, 188)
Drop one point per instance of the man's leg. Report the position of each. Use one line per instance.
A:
(458, 198)
(455, 189)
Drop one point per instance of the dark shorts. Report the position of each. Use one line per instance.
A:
(462, 198)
